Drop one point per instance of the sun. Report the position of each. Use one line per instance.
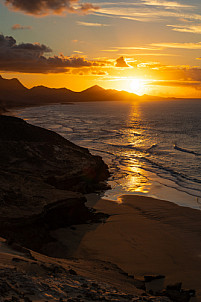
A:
(136, 86)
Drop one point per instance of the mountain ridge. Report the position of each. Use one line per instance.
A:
(13, 94)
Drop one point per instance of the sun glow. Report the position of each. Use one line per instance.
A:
(137, 86)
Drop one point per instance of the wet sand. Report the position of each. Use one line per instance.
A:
(142, 236)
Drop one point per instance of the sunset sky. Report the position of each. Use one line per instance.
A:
(141, 46)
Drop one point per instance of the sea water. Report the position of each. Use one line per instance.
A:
(151, 147)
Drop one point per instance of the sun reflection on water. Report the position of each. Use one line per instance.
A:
(135, 177)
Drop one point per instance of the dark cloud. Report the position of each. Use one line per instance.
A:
(20, 27)
(85, 7)
(120, 62)
(30, 58)
(46, 7)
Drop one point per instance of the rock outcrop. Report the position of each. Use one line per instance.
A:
(42, 178)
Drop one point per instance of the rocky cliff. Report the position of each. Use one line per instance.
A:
(42, 178)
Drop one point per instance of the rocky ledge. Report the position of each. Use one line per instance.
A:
(42, 180)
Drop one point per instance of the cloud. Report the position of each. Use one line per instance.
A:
(166, 4)
(136, 48)
(20, 27)
(99, 73)
(85, 7)
(192, 84)
(149, 10)
(120, 62)
(77, 51)
(91, 24)
(178, 45)
(46, 7)
(109, 50)
(30, 58)
(196, 28)
(176, 73)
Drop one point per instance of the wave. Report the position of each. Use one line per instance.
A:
(158, 167)
(152, 147)
(131, 147)
(186, 150)
(150, 150)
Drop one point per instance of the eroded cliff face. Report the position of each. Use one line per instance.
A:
(42, 178)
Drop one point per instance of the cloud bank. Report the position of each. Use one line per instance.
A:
(46, 7)
(30, 58)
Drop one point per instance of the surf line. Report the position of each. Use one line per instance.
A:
(185, 150)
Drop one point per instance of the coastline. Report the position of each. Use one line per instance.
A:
(151, 180)
(142, 236)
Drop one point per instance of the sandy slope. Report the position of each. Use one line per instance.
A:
(142, 236)
(27, 276)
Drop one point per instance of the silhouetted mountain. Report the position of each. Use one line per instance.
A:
(12, 84)
(51, 95)
(93, 89)
(97, 93)
(14, 94)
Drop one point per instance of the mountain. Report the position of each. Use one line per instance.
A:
(93, 89)
(13, 94)
(12, 84)
(51, 95)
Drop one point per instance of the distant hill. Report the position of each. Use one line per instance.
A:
(13, 94)
(50, 95)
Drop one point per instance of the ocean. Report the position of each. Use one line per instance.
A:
(151, 147)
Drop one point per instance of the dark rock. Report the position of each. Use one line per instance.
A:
(72, 272)
(131, 276)
(15, 299)
(151, 278)
(42, 176)
(26, 299)
(18, 260)
(20, 249)
(176, 296)
(73, 228)
(176, 286)
(140, 284)
(4, 288)
(95, 285)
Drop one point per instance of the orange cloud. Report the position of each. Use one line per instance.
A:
(20, 27)
(189, 28)
(179, 45)
(167, 4)
(120, 62)
(92, 24)
(192, 84)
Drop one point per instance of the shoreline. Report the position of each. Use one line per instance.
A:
(142, 236)
(157, 186)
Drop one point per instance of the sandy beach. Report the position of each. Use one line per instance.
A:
(142, 236)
